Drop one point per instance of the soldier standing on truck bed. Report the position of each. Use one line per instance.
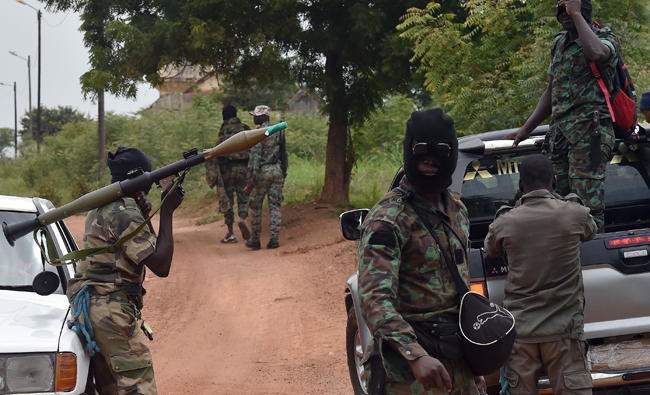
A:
(232, 169)
(541, 236)
(581, 131)
(405, 288)
(106, 291)
(267, 169)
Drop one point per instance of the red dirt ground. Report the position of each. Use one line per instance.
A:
(228, 320)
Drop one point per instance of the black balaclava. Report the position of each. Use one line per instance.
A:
(585, 10)
(430, 126)
(228, 112)
(127, 159)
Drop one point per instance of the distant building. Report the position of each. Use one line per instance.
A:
(305, 102)
(181, 84)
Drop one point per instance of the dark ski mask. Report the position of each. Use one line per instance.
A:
(436, 129)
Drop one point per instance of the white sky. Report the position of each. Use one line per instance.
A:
(64, 60)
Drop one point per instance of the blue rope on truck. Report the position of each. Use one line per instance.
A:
(81, 305)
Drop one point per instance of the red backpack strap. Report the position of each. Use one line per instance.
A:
(601, 84)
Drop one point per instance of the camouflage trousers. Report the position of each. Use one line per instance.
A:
(234, 182)
(580, 166)
(270, 182)
(124, 364)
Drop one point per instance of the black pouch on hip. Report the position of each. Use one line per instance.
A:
(439, 339)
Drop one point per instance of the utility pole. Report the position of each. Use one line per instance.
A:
(15, 123)
(29, 84)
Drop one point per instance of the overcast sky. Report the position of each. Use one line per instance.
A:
(64, 60)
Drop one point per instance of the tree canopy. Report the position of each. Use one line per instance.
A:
(52, 120)
(488, 64)
(346, 50)
(6, 142)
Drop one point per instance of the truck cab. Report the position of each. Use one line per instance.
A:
(38, 352)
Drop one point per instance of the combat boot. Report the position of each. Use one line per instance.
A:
(273, 243)
(253, 244)
(230, 238)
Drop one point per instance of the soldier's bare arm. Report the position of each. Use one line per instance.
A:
(541, 112)
(160, 261)
(593, 48)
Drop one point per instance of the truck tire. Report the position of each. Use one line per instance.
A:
(359, 376)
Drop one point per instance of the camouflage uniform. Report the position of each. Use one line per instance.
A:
(403, 277)
(123, 364)
(582, 135)
(233, 169)
(267, 169)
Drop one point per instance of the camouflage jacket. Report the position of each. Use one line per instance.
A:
(228, 129)
(402, 275)
(271, 150)
(575, 94)
(109, 272)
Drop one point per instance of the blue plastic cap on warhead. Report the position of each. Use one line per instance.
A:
(276, 128)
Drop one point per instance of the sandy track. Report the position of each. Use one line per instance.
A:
(233, 321)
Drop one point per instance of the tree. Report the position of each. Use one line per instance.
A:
(346, 50)
(52, 119)
(488, 65)
(6, 141)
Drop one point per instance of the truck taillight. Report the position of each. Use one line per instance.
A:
(66, 371)
(478, 287)
(628, 241)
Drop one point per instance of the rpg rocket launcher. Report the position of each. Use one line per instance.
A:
(100, 197)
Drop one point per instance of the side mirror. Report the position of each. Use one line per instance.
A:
(351, 223)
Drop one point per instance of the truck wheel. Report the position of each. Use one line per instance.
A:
(359, 376)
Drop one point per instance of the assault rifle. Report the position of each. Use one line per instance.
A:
(100, 197)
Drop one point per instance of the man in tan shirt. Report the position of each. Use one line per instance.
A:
(541, 236)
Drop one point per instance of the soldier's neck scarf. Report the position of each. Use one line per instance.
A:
(431, 127)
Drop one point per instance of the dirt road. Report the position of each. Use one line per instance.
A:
(228, 320)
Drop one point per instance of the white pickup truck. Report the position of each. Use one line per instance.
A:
(39, 354)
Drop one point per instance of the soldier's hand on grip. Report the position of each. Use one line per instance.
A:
(431, 373)
(174, 200)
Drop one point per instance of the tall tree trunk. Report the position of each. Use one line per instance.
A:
(101, 133)
(338, 161)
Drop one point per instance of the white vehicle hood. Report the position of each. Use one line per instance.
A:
(30, 322)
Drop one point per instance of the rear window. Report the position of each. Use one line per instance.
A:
(493, 181)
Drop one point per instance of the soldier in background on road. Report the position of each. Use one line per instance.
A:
(544, 290)
(581, 132)
(645, 105)
(232, 170)
(111, 282)
(267, 169)
(404, 283)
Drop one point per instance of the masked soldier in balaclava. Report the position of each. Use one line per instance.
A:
(404, 284)
(109, 284)
(581, 134)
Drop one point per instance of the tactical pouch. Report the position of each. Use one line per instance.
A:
(439, 339)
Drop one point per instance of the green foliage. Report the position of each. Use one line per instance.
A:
(6, 141)
(488, 67)
(52, 120)
(275, 94)
(67, 166)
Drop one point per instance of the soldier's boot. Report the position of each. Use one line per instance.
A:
(230, 238)
(253, 244)
(245, 233)
(273, 243)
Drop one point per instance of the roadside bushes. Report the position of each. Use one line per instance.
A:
(67, 166)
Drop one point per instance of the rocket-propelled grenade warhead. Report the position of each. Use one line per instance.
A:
(237, 143)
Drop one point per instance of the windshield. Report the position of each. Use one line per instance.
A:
(493, 181)
(20, 263)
